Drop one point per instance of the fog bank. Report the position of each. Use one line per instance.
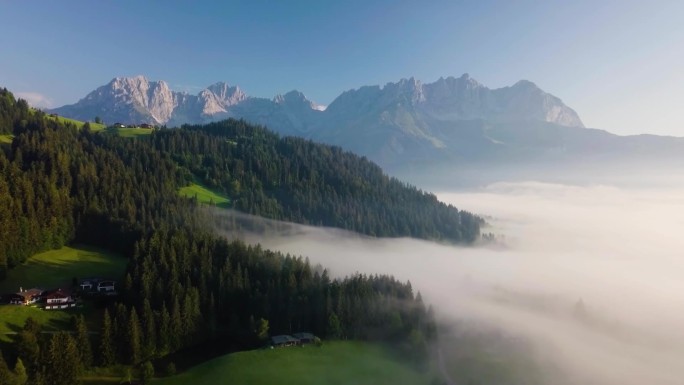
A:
(591, 275)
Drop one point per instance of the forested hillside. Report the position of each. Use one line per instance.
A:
(184, 285)
(297, 180)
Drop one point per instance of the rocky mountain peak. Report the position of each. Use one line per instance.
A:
(227, 94)
(292, 97)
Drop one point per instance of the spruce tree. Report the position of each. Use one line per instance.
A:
(63, 366)
(149, 331)
(83, 342)
(133, 338)
(28, 350)
(163, 335)
(106, 350)
(20, 373)
(6, 376)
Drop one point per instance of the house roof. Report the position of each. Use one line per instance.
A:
(304, 336)
(282, 339)
(30, 293)
(59, 293)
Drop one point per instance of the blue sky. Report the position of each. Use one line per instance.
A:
(620, 64)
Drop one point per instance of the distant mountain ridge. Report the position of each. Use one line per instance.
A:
(399, 125)
(137, 98)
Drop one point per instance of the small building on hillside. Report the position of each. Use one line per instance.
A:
(58, 299)
(106, 286)
(87, 284)
(146, 125)
(26, 297)
(305, 338)
(118, 125)
(284, 340)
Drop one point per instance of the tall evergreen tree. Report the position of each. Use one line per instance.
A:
(133, 338)
(20, 373)
(106, 348)
(63, 367)
(6, 376)
(83, 341)
(149, 331)
(164, 331)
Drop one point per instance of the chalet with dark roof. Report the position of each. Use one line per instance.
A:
(26, 297)
(284, 340)
(304, 338)
(58, 299)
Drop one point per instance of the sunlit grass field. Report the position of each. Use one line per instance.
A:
(204, 195)
(335, 363)
(79, 124)
(132, 132)
(56, 268)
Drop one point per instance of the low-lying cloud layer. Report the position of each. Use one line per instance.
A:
(592, 276)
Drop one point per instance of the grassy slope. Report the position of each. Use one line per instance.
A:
(93, 126)
(334, 363)
(204, 195)
(133, 132)
(12, 318)
(52, 269)
(56, 268)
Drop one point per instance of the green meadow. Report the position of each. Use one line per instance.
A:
(335, 363)
(13, 317)
(93, 126)
(204, 195)
(131, 132)
(54, 269)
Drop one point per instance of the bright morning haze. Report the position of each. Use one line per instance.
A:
(450, 193)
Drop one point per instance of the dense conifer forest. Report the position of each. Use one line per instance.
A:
(184, 284)
(297, 180)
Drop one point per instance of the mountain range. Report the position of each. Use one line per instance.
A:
(399, 125)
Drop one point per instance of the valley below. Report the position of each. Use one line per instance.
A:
(579, 287)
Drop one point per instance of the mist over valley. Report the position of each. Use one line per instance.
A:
(579, 289)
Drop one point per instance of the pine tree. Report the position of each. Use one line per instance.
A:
(20, 372)
(146, 372)
(83, 342)
(107, 356)
(133, 338)
(334, 326)
(163, 335)
(121, 334)
(6, 376)
(28, 349)
(149, 330)
(63, 367)
(176, 327)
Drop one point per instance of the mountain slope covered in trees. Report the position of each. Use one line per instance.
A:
(297, 180)
(184, 285)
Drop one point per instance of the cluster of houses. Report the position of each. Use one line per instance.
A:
(120, 125)
(50, 299)
(62, 298)
(296, 339)
(141, 125)
(98, 285)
